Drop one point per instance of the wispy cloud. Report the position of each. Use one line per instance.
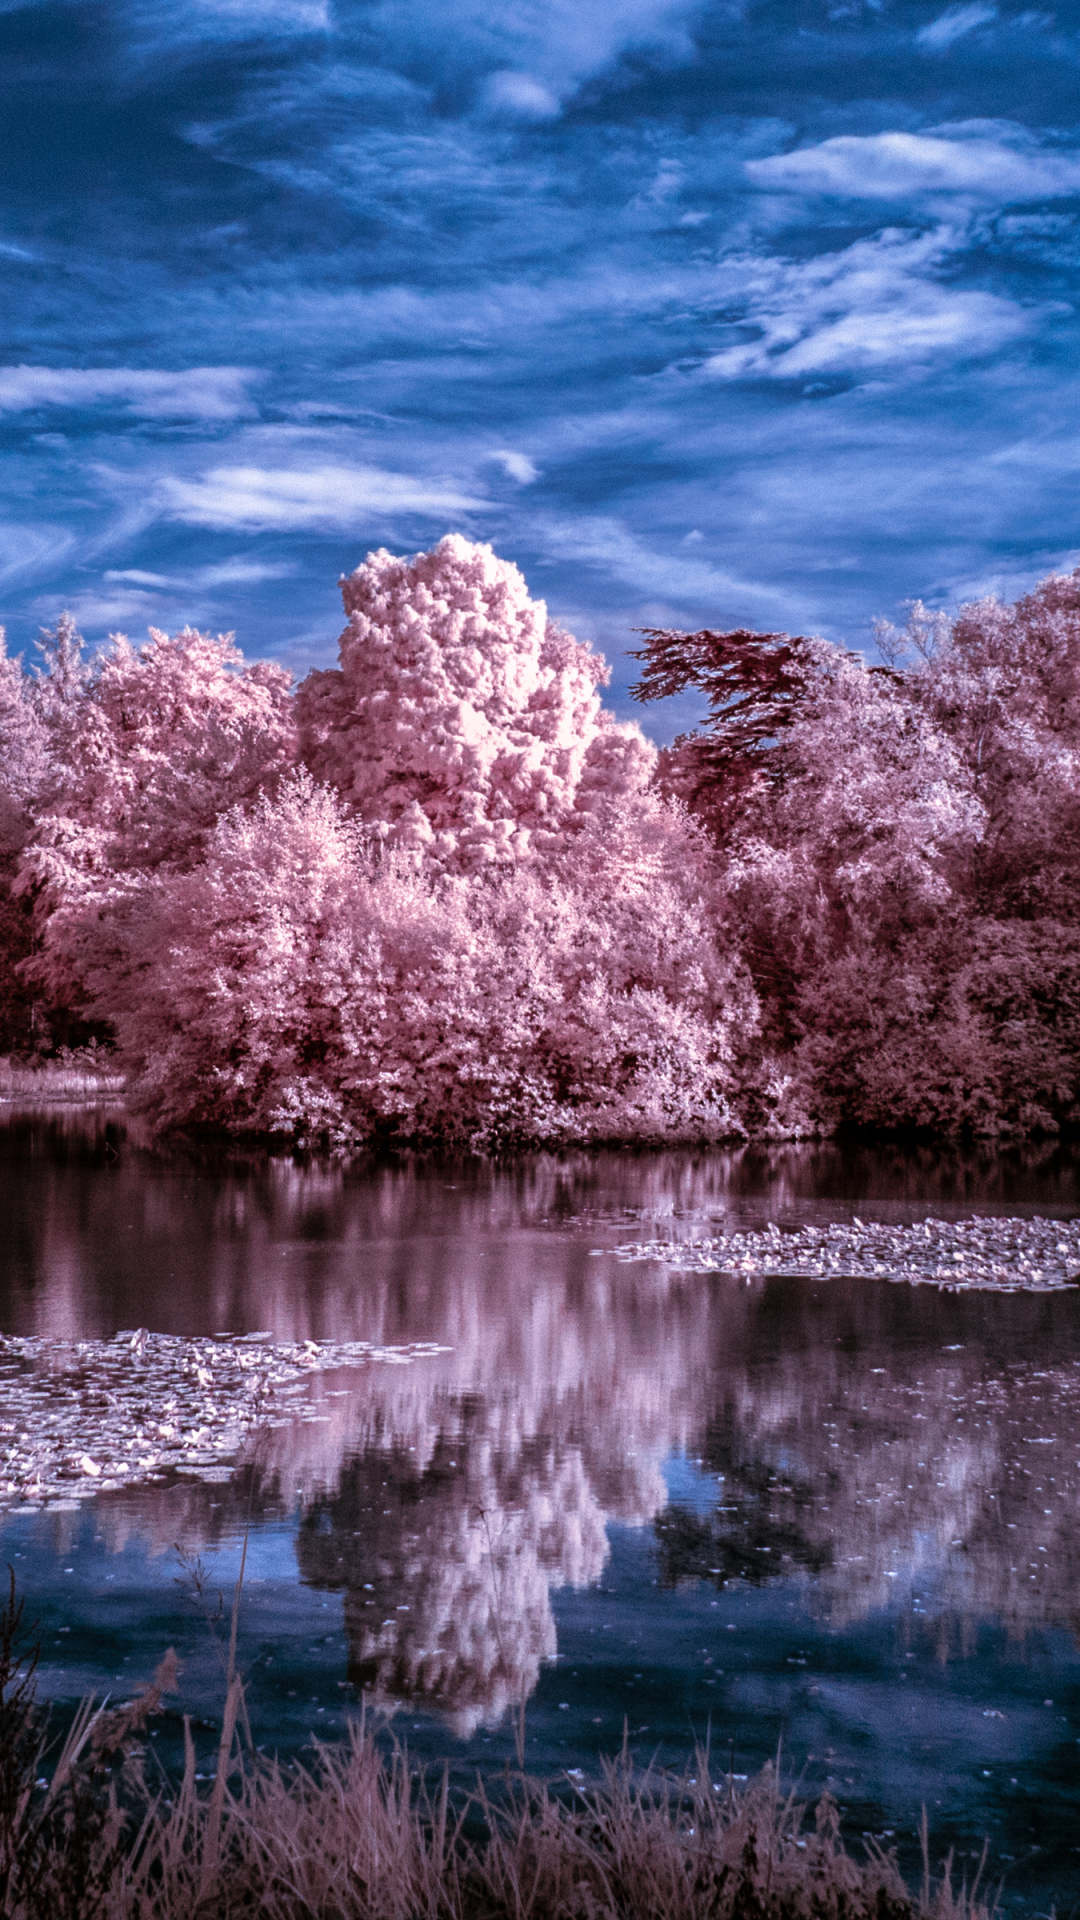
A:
(940, 34)
(517, 465)
(520, 94)
(504, 268)
(229, 19)
(268, 498)
(198, 393)
(28, 548)
(557, 44)
(227, 573)
(902, 166)
(97, 611)
(647, 570)
(875, 305)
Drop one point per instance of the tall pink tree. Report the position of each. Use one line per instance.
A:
(462, 722)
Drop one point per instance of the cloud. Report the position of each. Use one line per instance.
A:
(276, 498)
(202, 20)
(94, 610)
(899, 166)
(517, 465)
(534, 52)
(26, 550)
(201, 393)
(940, 34)
(226, 573)
(601, 540)
(519, 94)
(871, 307)
(139, 578)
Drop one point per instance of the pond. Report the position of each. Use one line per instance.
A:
(562, 1497)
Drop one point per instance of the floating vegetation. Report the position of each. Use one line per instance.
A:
(1005, 1256)
(80, 1417)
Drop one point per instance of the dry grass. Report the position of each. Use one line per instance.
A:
(81, 1075)
(360, 1836)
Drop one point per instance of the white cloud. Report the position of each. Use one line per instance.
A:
(139, 578)
(517, 465)
(204, 393)
(536, 49)
(31, 549)
(230, 19)
(896, 166)
(521, 95)
(94, 610)
(872, 306)
(276, 498)
(600, 540)
(238, 572)
(952, 25)
(226, 573)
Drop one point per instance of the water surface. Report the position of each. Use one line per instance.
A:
(840, 1515)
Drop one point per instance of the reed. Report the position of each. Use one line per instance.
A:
(358, 1834)
(73, 1076)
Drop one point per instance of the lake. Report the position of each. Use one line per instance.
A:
(835, 1518)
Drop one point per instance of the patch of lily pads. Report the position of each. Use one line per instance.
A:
(81, 1417)
(1003, 1256)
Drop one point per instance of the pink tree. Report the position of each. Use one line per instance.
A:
(461, 722)
(24, 767)
(298, 982)
(146, 748)
(900, 858)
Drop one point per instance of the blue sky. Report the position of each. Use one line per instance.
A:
(725, 313)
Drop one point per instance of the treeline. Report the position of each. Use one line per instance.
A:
(438, 894)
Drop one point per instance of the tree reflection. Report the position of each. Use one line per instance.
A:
(880, 1446)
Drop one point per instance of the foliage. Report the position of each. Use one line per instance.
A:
(440, 894)
(462, 722)
(300, 981)
(144, 748)
(900, 853)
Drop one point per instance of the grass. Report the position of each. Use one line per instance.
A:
(359, 1835)
(74, 1075)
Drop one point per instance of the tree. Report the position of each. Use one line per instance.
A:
(146, 747)
(462, 723)
(24, 765)
(900, 852)
(299, 982)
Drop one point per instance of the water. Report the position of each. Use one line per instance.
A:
(840, 1516)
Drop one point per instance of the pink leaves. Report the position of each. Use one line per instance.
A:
(444, 896)
(461, 720)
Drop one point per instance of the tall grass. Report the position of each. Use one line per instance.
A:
(359, 1835)
(74, 1075)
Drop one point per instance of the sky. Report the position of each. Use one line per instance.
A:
(744, 312)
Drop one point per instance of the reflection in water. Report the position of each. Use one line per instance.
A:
(868, 1446)
(838, 1442)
